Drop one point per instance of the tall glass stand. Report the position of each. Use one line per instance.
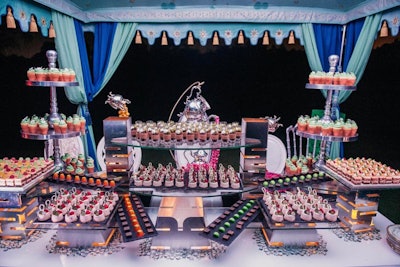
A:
(54, 115)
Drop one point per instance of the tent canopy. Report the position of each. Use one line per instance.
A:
(204, 18)
(172, 11)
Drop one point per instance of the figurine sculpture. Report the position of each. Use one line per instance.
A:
(118, 102)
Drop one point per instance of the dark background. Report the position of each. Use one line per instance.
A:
(240, 81)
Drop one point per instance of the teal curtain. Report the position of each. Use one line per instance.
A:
(357, 63)
(68, 57)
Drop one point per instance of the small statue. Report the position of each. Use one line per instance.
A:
(118, 102)
(273, 123)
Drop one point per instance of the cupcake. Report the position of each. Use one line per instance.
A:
(352, 79)
(90, 165)
(54, 74)
(79, 171)
(82, 120)
(25, 124)
(337, 129)
(354, 128)
(63, 126)
(70, 169)
(56, 123)
(347, 129)
(326, 128)
(312, 77)
(71, 75)
(31, 74)
(312, 126)
(76, 122)
(43, 127)
(40, 74)
(33, 126)
(302, 123)
(69, 122)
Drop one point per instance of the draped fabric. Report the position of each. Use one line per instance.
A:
(73, 54)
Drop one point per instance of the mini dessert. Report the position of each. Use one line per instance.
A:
(318, 215)
(43, 214)
(306, 215)
(277, 216)
(25, 124)
(31, 74)
(290, 215)
(332, 215)
(71, 217)
(40, 74)
(54, 74)
(98, 216)
(85, 216)
(57, 216)
(302, 123)
(70, 124)
(169, 181)
(82, 121)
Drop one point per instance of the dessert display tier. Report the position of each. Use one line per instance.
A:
(228, 226)
(35, 178)
(51, 135)
(331, 87)
(51, 83)
(248, 142)
(77, 209)
(298, 210)
(329, 138)
(173, 192)
(352, 186)
(25, 188)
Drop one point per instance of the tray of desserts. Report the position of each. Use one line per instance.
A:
(362, 173)
(298, 209)
(21, 174)
(77, 209)
(284, 182)
(227, 227)
(89, 181)
(134, 223)
(168, 177)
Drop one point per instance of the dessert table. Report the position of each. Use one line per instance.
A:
(247, 249)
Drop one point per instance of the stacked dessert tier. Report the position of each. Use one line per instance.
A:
(41, 125)
(201, 178)
(297, 207)
(337, 78)
(364, 171)
(152, 133)
(40, 74)
(78, 206)
(317, 126)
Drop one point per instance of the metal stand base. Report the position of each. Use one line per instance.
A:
(288, 237)
(179, 221)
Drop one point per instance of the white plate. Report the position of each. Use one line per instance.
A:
(276, 155)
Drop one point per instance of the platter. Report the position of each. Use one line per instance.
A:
(276, 155)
